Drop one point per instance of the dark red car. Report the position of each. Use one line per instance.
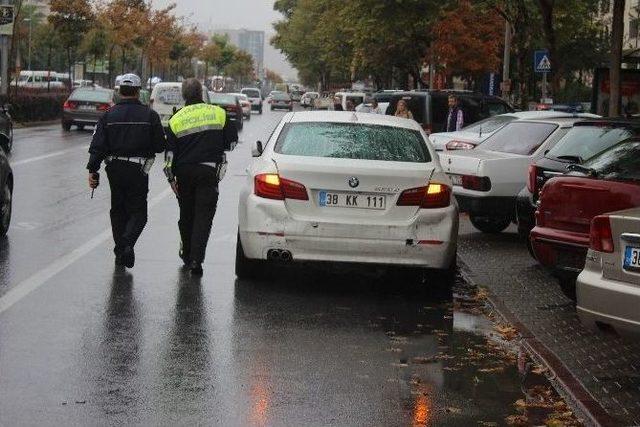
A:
(608, 182)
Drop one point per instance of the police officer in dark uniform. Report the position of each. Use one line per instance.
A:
(127, 138)
(197, 138)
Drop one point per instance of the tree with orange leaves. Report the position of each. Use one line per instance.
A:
(468, 40)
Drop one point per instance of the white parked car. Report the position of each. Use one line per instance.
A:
(166, 99)
(245, 104)
(346, 188)
(307, 99)
(366, 107)
(255, 97)
(487, 180)
(473, 135)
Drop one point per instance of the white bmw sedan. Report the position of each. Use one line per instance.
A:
(346, 187)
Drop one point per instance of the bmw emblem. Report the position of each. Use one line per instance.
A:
(354, 182)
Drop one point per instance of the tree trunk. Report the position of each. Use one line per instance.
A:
(124, 58)
(95, 60)
(616, 57)
(546, 10)
(49, 68)
(111, 66)
(69, 63)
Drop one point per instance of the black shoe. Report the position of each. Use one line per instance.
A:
(119, 261)
(128, 257)
(196, 268)
(185, 259)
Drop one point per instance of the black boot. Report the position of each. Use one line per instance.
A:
(128, 257)
(196, 268)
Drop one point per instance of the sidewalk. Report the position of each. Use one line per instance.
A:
(606, 366)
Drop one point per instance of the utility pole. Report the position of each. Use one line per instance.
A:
(616, 57)
(506, 61)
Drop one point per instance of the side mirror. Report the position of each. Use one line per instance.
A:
(257, 149)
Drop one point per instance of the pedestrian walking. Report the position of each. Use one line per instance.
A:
(403, 111)
(455, 118)
(198, 136)
(126, 138)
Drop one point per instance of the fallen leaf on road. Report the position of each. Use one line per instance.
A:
(491, 370)
(453, 410)
(424, 360)
(517, 420)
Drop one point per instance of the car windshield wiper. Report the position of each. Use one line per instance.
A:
(582, 169)
(574, 159)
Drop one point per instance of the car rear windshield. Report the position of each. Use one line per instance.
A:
(91, 95)
(584, 142)
(489, 125)
(353, 141)
(519, 138)
(223, 99)
(251, 93)
(281, 96)
(170, 95)
(620, 163)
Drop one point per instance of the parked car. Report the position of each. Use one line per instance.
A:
(473, 135)
(430, 108)
(487, 180)
(356, 98)
(166, 99)
(307, 99)
(85, 106)
(231, 104)
(6, 193)
(6, 128)
(245, 104)
(269, 98)
(367, 107)
(608, 182)
(255, 97)
(326, 187)
(281, 101)
(608, 289)
(585, 140)
(324, 102)
(42, 79)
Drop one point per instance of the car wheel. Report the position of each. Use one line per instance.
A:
(5, 209)
(490, 225)
(66, 126)
(246, 268)
(568, 287)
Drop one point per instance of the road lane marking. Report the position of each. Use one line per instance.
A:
(35, 281)
(48, 156)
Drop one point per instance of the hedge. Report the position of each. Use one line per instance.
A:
(33, 107)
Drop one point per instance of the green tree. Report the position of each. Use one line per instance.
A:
(95, 45)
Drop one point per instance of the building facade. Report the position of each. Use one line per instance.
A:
(251, 42)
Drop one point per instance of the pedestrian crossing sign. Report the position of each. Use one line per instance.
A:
(541, 62)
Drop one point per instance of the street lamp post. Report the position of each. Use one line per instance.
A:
(30, 21)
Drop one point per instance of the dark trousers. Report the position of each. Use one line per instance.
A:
(129, 189)
(198, 190)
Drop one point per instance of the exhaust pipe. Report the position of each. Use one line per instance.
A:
(279, 255)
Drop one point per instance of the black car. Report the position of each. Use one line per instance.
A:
(584, 141)
(231, 104)
(6, 193)
(431, 107)
(6, 129)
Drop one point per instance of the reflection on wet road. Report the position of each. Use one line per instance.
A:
(91, 345)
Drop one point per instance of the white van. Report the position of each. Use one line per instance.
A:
(166, 99)
(41, 79)
(356, 97)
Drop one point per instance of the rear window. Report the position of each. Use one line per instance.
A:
(91, 95)
(489, 125)
(223, 99)
(620, 163)
(169, 95)
(519, 138)
(251, 93)
(353, 141)
(584, 142)
(281, 96)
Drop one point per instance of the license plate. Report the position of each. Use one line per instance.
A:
(87, 108)
(456, 179)
(329, 199)
(632, 258)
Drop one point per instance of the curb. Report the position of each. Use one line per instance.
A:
(26, 125)
(576, 391)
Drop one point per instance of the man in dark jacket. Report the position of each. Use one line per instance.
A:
(455, 118)
(127, 138)
(197, 138)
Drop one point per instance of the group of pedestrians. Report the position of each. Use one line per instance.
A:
(127, 139)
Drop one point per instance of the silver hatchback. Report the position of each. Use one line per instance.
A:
(608, 289)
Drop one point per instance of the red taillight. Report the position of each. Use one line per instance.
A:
(435, 195)
(532, 180)
(601, 236)
(70, 105)
(477, 183)
(104, 107)
(272, 186)
(460, 145)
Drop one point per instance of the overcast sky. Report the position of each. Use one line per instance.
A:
(234, 14)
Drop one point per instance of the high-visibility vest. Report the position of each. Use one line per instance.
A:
(197, 118)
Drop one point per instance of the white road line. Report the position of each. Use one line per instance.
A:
(24, 288)
(48, 156)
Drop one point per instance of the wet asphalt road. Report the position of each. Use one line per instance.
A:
(81, 344)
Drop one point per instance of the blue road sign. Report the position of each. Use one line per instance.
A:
(541, 62)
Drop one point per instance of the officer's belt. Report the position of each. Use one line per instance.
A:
(138, 160)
